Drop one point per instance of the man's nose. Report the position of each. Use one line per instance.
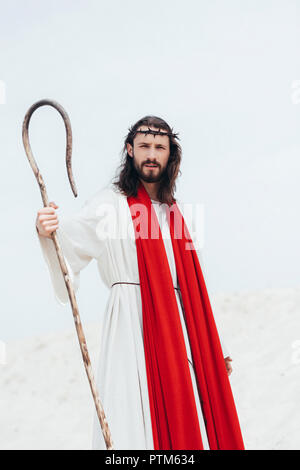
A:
(151, 152)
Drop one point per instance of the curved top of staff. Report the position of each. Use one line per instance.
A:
(63, 113)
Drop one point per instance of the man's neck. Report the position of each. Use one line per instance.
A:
(151, 189)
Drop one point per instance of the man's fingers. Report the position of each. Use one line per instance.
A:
(48, 222)
(48, 215)
(51, 228)
(47, 210)
(228, 365)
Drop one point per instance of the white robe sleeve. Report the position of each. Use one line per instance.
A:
(78, 239)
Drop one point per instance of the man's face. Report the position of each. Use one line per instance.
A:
(149, 150)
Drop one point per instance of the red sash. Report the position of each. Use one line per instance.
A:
(173, 409)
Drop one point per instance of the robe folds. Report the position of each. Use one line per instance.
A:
(103, 230)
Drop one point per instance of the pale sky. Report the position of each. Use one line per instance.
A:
(221, 74)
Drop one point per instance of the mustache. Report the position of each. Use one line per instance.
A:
(151, 163)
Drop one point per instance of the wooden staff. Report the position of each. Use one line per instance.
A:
(78, 325)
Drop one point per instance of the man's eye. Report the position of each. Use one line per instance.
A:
(146, 146)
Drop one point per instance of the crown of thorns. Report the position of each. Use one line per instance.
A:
(151, 131)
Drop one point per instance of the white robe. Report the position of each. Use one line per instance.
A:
(121, 374)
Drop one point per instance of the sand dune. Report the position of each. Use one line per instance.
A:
(46, 401)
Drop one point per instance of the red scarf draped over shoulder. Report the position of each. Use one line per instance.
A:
(173, 409)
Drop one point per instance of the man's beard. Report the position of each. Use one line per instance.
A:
(150, 177)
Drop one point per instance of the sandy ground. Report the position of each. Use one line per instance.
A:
(46, 401)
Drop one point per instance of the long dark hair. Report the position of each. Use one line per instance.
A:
(127, 177)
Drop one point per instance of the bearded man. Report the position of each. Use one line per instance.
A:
(163, 373)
